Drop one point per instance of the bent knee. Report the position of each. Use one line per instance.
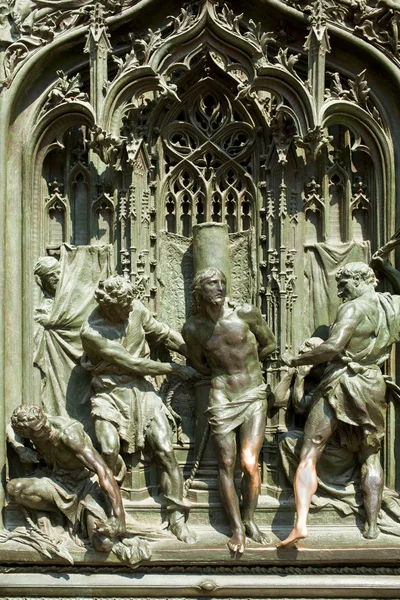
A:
(249, 465)
(165, 456)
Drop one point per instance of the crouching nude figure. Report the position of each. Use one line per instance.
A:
(91, 504)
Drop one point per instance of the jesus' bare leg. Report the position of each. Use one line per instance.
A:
(252, 434)
(226, 467)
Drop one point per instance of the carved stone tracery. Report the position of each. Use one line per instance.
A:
(209, 116)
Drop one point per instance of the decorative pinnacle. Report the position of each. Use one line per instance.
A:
(318, 17)
(98, 27)
(318, 20)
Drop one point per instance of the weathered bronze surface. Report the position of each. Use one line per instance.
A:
(125, 405)
(227, 342)
(351, 393)
(67, 487)
(250, 150)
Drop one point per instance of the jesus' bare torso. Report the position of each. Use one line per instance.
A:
(230, 349)
(227, 343)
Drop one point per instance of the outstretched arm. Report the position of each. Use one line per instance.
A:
(342, 331)
(91, 459)
(176, 343)
(115, 353)
(161, 333)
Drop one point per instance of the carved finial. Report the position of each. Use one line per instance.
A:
(360, 198)
(313, 200)
(318, 20)
(317, 44)
(98, 27)
(283, 200)
(98, 46)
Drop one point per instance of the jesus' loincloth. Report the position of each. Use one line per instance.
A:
(227, 415)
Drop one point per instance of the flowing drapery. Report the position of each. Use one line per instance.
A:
(66, 387)
(322, 262)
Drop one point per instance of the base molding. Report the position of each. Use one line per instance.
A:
(59, 583)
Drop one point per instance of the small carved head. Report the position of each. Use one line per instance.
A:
(115, 297)
(354, 279)
(209, 286)
(47, 273)
(27, 420)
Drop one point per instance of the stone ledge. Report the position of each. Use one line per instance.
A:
(138, 585)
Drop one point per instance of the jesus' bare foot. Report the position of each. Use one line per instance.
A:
(253, 532)
(237, 543)
(296, 534)
(371, 532)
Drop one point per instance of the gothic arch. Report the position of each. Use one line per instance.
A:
(129, 91)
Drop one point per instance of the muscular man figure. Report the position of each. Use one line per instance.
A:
(125, 405)
(68, 485)
(228, 342)
(352, 390)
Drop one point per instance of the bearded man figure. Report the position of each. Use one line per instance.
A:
(228, 342)
(351, 394)
(126, 408)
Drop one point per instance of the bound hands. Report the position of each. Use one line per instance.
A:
(185, 373)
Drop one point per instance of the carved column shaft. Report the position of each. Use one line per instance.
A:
(211, 249)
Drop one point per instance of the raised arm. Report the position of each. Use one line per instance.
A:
(26, 455)
(380, 262)
(390, 273)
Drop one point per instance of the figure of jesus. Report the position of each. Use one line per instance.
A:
(228, 342)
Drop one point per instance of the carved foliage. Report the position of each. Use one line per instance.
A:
(314, 141)
(358, 92)
(376, 22)
(110, 148)
(66, 89)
